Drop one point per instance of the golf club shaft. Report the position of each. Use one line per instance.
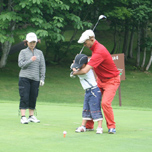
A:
(81, 50)
(92, 30)
(95, 25)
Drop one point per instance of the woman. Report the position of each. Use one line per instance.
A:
(32, 74)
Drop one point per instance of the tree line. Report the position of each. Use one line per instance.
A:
(50, 19)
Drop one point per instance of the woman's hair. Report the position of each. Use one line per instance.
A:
(25, 41)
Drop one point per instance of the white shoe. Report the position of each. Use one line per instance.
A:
(24, 120)
(33, 119)
(99, 131)
(81, 129)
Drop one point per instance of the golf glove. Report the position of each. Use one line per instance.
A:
(71, 75)
(71, 66)
(41, 82)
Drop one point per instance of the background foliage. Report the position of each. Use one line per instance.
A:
(59, 23)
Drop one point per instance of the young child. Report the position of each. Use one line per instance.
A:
(92, 100)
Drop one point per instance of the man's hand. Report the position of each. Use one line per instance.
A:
(74, 69)
(41, 82)
(82, 71)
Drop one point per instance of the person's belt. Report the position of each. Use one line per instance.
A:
(91, 88)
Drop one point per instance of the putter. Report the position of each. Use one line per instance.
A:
(101, 17)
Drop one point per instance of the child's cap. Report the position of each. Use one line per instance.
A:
(80, 59)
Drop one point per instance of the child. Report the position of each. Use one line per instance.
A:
(92, 100)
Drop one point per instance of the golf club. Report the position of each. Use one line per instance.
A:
(101, 17)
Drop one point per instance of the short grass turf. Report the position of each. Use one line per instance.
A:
(134, 130)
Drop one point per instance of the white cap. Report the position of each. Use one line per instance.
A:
(31, 37)
(86, 35)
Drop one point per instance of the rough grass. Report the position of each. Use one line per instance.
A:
(60, 88)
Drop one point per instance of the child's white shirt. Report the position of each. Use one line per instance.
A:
(88, 80)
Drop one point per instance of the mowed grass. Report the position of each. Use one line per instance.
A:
(134, 130)
(59, 108)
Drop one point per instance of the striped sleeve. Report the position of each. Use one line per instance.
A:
(22, 63)
(42, 67)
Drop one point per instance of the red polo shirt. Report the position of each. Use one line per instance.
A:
(102, 62)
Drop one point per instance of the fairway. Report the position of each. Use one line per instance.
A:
(134, 130)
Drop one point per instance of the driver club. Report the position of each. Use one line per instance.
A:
(101, 17)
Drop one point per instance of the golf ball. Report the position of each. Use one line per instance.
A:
(64, 132)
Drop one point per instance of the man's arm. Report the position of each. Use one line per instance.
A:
(82, 71)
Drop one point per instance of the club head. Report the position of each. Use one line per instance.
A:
(102, 17)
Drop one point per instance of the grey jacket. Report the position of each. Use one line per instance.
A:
(34, 70)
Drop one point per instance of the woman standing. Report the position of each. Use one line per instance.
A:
(32, 74)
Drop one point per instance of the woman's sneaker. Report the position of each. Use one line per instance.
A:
(99, 131)
(33, 119)
(81, 129)
(24, 120)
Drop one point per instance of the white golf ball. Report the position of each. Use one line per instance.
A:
(64, 132)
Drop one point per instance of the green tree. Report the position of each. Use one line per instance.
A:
(47, 18)
(126, 18)
(142, 16)
(50, 19)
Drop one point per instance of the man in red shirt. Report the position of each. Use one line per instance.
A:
(108, 78)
